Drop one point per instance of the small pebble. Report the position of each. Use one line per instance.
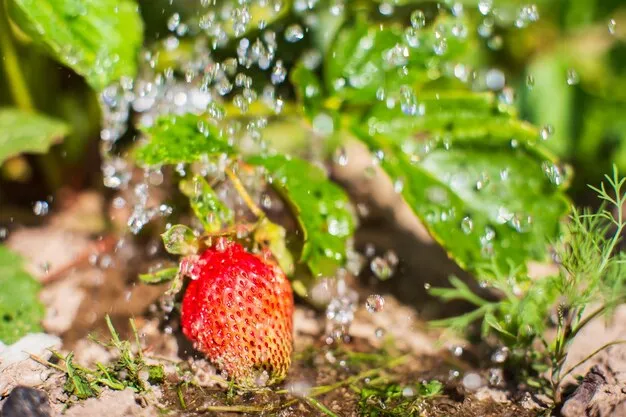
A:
(26, 402)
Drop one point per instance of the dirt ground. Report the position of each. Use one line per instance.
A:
(87, 275)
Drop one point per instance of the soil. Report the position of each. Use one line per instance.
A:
(86, 277)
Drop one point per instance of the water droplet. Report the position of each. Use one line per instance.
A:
(457, 350)
(279, 73)
(440, 46)
(527, 14)
(408, 101)
(173, 22)
(484, 6)
(392, 258)
(40, 208)
(398, 185)
(467, 225)
(494, 79)
(521, 222)
(340, 310)
(489, 235)
(323, 124)
(418, 19)
(375, 303)
(408, 392)
(612, 26)
(381, 268)
(553, 172)
(294, 33)
(386, 8)
(572, 77)
(495, 43)
(546, 132)
(379, 333)
(482, 182)
(299, 388)
(472, 381)
(500, 354)
(341, 156)
(496, 377)
(411, 35)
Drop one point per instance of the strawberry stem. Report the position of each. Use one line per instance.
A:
(244, 193)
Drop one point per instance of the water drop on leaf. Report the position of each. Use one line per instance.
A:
(418, 19)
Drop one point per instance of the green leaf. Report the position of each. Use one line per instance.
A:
(321, 207)
(156, 374)
(549, 73)
(20, 309)
(460, 291)
(308, 89)
(368, 58)
(274, 236)
(431, 388)
(491, 321)
(24, 132)
(159, 276)
(181, 139)
(180, 240)
(480, 182)
(206, 205)
(99, 39)
(77, 382)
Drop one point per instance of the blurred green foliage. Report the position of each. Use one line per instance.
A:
(568, 68)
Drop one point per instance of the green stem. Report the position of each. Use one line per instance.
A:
(593, 315)
(17, 84)
(591, 355)
(320, 406)
(21, 95)
(234, 179)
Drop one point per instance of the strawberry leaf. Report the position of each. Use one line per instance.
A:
(180, 240)
(177, 139)
(370, 59)
(308, 89)
(20, 309)
(321, 208)
(27, 132)
(273, 236)
(206, 205)
(476, 177)
(85, 35)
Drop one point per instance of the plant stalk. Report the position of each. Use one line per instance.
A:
(243, 193)
(21, 95)
(17, 83)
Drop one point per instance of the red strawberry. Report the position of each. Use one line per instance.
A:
(239, 312)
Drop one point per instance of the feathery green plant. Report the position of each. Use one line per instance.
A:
(591, 273)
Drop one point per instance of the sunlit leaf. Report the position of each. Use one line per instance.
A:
(187, 138)
(480, 182)
(206, 205)
(20, 309)
(24, 132)
(371, 61)
(180, 240)
(321, 208)
(274, 235)
(99, 39)
(308, 89)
